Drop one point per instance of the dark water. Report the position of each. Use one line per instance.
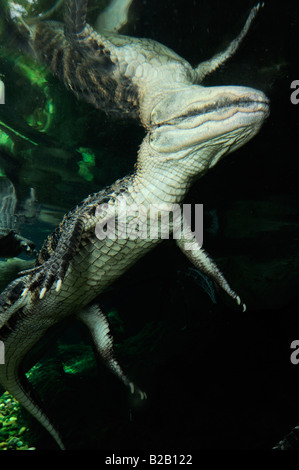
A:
(215, 378)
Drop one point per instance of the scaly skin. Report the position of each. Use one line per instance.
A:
(189, 128)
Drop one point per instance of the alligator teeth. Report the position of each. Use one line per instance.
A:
(244, 307)
(42, 292)
(58, 285)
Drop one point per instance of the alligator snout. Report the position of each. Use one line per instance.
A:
(198, 101)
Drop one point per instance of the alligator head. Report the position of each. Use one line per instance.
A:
(193, 127)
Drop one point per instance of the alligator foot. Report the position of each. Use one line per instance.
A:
(209, 66)
(193, 250)
(45, 276)
(53, 268)
(98, 325)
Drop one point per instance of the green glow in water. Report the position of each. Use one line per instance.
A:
(88, 161)
(36, 75)
(6, 141)
(15, 132)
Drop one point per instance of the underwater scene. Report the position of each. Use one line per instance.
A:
(149, 226)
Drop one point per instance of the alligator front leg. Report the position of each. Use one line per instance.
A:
(193, 250)
(98, 325)
(209, 66)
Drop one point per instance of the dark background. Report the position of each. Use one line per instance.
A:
(216, 378)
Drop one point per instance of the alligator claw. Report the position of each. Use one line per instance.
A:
(142, 394)
(51, 275)
(58, 285)
(45, 276)
(42, 293)
(25, 292)
(239, 302)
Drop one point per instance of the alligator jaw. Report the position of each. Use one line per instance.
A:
(198, 100)
(196, 115)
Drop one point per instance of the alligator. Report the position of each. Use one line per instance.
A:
(188, 128)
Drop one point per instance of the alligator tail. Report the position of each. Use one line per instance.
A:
(22, 391)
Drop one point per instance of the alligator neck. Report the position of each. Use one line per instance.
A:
(149, 188)
(155, 182)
